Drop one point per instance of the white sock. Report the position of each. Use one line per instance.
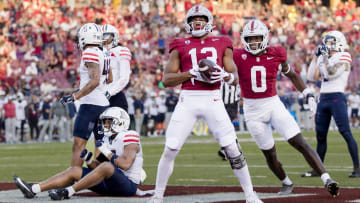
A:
(242, 174)
(36, 188)
(287, 181)
(71, 191)
(324, 177)
(245, 181)
(165, 169)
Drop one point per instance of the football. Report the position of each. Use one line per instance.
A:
(206, 67)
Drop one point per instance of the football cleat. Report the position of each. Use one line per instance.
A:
(24, 187)
(332, 187)
(59, 194)
(155, 199)
(355, 173)
(310, 174)
(286, 189)
(253, 198)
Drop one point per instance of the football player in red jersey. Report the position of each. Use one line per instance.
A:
(200, 98)
(258, 66)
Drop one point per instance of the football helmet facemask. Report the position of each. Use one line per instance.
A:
(252, 29)
(120, 120)
(206, 27)
(89, 34)
(109, 30)
(335, 40)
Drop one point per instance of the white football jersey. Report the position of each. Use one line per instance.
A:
(101, 57)
(117, 146)
(120, 66)
(160, 102)
(337, 84)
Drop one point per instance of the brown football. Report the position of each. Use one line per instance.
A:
(206, 67)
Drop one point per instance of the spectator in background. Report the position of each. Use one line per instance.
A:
(131, 110)
(45, 111)
(20, 105)
(170, 103)
(354, 102)
(139, 112)
(72, 114)
(33, 119)
(160, 118)
(46, 88)
(59, 114)
(9, 114)
(151, 110)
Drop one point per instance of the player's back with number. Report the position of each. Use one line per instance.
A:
(257, 74)
(101, 57)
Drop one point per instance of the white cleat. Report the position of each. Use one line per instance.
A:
(155, 199)
(253, 198)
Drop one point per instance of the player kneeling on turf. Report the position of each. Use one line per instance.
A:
(116, 171)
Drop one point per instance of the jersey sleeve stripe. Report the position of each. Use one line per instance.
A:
(132, 136)
(125, 55)
(346, 60)
(131, 140)
(347, 56)
(90, 59)
(91, 54)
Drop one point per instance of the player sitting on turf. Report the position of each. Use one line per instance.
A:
(116, 170)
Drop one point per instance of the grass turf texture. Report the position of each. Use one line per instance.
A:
(196, 164)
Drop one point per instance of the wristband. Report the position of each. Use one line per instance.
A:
(231, 80)
(112, 160)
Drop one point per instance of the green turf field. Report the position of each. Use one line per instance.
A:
(197, 163)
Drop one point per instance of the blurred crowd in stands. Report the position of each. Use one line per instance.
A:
(39, 56)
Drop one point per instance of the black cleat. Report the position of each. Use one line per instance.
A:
(59, 194)
(24, 187)
(222, 154)
(355, 173)
(332, 187)
(310, 174)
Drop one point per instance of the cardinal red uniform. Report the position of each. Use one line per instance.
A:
(262, 106)
(201, 99)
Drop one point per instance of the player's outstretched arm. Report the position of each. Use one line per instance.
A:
(230, 67)
(171, 76)
(126, 160)
(313, 72)
(94, 76)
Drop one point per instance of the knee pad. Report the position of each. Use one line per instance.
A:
(235, 155)
(170, 153)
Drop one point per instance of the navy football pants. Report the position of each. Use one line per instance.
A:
(119, 100)
(334, 104)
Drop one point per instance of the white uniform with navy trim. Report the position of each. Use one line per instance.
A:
(121, 140)
(120, 66)
(101, 57)
(339, 83)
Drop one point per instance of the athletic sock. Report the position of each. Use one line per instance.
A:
(325, 177)
(245, 181)
(165, 169)
(287, 181)
(36, 188)
(71, 191)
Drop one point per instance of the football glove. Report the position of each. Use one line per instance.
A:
(197, 75)
(107, 95)
(310, 100)
(220, 75)
(67, 99)
(86, 156)
(103, 148)
(322, 50)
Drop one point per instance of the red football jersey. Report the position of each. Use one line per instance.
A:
(192, 50)
(257, 74)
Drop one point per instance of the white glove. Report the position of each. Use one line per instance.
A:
(197, 75)
(220, 75)
(310, 100)
(312, 106)
(103, 148)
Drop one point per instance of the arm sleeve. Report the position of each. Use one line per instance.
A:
(311, 71)
(132, 137)
(227, 43)
(91, 55)
(125, 71)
